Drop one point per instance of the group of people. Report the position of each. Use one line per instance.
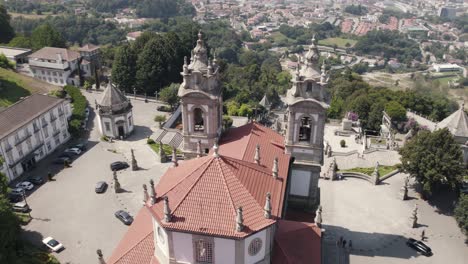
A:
(341, 243)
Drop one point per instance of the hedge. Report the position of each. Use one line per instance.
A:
(79, 107)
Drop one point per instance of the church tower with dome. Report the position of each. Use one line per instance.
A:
(201, 101)
(305, 124)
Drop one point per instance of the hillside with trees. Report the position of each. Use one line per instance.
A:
(357, 10)
(389, 44)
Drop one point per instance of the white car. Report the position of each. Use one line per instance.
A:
(25, 185)
(53, 244)
(75, 151)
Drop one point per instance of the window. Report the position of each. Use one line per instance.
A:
(10, 156)
(203, 251)
(19, 148)
(305, 129)
(255, 246)
(46, 132)
(60, 74)
(107, 124)
(55, 80)
(198, 120)
(49, 147)
(28, 142)
(54, 73)
(38, 138)
(57, 140)
(49, 79)
(64, 134)
(129, 121)
(42, 72)
(309, 87)
(48, 73)
(61, 81)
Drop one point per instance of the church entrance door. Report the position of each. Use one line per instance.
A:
(121, 131)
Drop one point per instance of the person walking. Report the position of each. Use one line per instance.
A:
(423, 235)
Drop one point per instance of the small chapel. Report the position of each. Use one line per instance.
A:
(115, 116)
(229, 201)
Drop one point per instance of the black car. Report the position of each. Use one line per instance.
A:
(37, 180)
(124, 217)
(118, 165)
(66, 155)
(61, 160)
(100, 187)
(81, 146)
(419, 246)
(14, 198)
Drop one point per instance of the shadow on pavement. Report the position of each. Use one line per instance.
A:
(366, 244)
(139, 132)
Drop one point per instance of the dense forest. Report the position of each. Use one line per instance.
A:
(146, 8)
(389, 44)
(357, 10)
(304, 35)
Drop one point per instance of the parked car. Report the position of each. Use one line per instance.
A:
(61, 160)
(81, 146)
(53, 244)
(25, 185)
(124, 217)
(419, 246)
(14, 198)
(67, 155)
(21, 207)
(75, 151)
(17, 191)
(37, 180)
(118, 165)
(100, 187)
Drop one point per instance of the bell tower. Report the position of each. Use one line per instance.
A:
(201, 101)
(305, 124)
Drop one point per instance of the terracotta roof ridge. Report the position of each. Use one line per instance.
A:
(183, 179)
(227, 187)
(193, 185)
(133, 247)
(257, 167)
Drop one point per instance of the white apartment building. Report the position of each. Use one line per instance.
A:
(30, 130)
(60, 66)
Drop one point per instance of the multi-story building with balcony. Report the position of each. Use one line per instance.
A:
(30, 130)
(62, 66)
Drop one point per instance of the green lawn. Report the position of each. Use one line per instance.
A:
(13, 86)
(278, 37)
(383, 170)
(340, 42)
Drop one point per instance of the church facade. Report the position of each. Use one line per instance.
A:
(227, 202)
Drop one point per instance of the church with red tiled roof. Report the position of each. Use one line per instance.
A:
(228, 201)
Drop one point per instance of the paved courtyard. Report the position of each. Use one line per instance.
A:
(68, 208)
(378, 222)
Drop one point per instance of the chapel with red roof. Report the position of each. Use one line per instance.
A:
(228, 201)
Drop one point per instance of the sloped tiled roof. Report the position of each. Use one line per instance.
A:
(113, 99)
(204, 194)
(137, 246)
(88, 47)
(296, 242)
(50, 53)
(457, 123)
(22, 112)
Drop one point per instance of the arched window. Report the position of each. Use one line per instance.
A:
(203, 251)
(305, 129)
(198, 120)
(309, 87)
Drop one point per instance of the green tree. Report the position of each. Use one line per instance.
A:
(124, 68)
(9, 226)
(245, 110)
(461, 213)
(169, 95)
(20, 42)
(433, 159)
(6, 31)
(4, 62)
(151, 65)
(46, 36)
(396, 111)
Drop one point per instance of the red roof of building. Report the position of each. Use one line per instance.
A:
(204, 194)
(137, 246)
(296, 242)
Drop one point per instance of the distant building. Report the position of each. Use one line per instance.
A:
(30, 130)
(446, 67)
(59, 66)
(448, 12)
(115, 114)
(132, 36)
(17, 55)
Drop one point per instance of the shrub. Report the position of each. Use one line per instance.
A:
(104, 138)
(461, 213)
(343, 143)
(164, 108)
(150, 141)
(160, 119)
(79, 106)
(227, 121)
